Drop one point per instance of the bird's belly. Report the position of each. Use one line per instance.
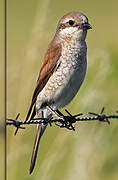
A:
(62, 86)
(65, 93)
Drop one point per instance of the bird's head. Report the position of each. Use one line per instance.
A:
(73, 25)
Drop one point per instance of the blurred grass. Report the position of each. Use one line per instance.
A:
(90, 153)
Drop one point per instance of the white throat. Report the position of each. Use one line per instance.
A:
(73, 33)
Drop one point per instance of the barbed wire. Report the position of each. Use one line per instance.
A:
(61, 120)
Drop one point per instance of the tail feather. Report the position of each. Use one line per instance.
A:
(40, 130)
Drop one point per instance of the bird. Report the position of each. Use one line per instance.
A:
(62, 72)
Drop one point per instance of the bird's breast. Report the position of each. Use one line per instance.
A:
(66, 80)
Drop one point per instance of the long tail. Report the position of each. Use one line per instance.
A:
(40, 130)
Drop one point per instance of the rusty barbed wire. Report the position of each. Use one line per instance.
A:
(61, 120)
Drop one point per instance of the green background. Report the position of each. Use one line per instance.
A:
(91, 152)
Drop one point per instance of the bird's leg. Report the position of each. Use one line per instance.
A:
(63, 121)
(53, 112)
(59, 116)
(59, 113)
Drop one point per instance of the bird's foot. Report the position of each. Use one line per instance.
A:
(64, 121)
(67, 121)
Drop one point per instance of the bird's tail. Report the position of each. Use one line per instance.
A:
(40, 130)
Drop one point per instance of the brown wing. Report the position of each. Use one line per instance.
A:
(50, 61)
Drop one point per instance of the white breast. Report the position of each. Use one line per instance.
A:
(65, 82)
(69, 85)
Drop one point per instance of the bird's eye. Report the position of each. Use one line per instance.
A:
(71, 22)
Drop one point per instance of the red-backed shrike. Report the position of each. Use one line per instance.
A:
(62, 72)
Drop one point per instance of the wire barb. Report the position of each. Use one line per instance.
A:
(101, 117)
(61, 120)
(16, 123)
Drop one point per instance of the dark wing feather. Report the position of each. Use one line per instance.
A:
(50, 61)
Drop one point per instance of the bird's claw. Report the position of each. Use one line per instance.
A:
(67, 121)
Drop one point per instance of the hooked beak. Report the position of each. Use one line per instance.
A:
(87, 26)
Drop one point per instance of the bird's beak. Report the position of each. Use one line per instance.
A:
(87, 26)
